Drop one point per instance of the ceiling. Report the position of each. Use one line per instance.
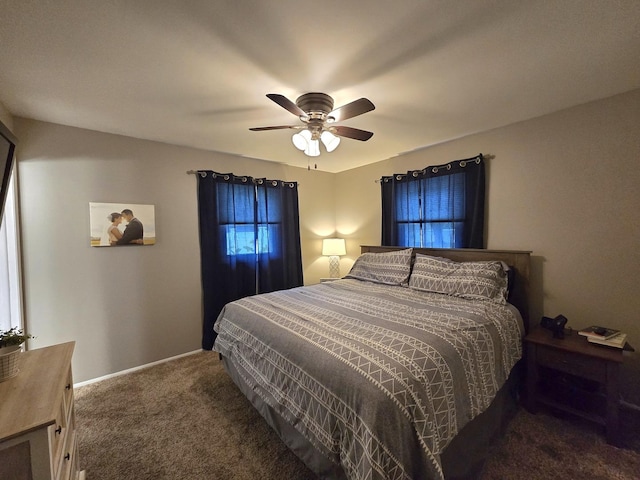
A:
(196, 73)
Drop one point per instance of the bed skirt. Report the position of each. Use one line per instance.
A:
(463, 459)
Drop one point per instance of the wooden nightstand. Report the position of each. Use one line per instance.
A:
(574, 376)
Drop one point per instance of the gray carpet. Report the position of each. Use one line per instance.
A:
(185, 419)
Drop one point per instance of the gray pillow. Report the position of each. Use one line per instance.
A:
(471, 280)
(389, 268)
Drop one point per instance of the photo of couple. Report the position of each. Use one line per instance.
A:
(121, 225)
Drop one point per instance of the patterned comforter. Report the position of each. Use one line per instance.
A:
(378, 378)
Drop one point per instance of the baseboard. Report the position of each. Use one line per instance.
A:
(134, 369)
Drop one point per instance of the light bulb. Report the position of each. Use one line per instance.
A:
(330, 141)
(299, 141)
(313, 148)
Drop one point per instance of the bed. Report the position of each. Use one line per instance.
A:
(404, 369)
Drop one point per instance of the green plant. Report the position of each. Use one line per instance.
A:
(13, 336)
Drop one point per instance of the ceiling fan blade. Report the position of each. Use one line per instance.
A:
(276, 127)
(350, 110)
(287, 104)
(351, 132)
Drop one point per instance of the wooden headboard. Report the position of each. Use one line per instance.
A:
(519, 260)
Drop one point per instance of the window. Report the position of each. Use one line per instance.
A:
(437, 207)
(244, 240)
(10, 289)
(249, 240)
(431, 212)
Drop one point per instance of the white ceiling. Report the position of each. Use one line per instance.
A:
(196, 72)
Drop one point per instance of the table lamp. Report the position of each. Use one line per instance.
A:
(333, 248)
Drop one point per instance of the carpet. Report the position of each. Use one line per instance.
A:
(185, 419)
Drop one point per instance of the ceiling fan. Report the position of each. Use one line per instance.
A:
(318, 116)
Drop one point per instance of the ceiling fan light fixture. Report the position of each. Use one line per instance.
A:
(301, 139)
(316, 110)
(313, 148)
(330, 141)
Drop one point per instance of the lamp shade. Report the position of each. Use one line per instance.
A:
(330, 141)
(301, 139)
(333, 246)
(313, 148)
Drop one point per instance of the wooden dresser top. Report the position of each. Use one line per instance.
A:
(32, 399)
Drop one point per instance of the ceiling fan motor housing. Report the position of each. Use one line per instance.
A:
(318, 103)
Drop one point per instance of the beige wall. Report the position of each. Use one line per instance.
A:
(6, 117)
(128, 307)
(566, 187)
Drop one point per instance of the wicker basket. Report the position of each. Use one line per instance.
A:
(9, 362)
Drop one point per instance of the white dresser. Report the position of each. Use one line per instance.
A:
(37, 421)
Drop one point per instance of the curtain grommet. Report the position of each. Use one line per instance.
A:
(463, 163)
(434, 169)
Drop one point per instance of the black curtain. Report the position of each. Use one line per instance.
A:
(439, 206)
(249, 240)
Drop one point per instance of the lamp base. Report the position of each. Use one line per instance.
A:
(334, 266)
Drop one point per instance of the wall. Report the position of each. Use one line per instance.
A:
(127, 307)
(564, 186)
(6, 117)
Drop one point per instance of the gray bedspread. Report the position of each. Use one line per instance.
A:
(378, 378)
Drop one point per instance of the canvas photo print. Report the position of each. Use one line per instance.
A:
(122, 224)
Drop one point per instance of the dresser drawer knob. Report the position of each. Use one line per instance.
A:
(58, 430)
(67, 456)
(68, 386)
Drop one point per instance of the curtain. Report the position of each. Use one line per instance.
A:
(249, 240)
(439, 206)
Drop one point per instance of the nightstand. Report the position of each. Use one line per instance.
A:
(574, 376)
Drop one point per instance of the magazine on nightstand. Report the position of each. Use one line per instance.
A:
(600, 333)
(618, 341)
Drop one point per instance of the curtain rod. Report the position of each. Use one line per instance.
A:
(434, 168)
(258, 180)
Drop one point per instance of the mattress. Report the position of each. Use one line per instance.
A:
(377, 379)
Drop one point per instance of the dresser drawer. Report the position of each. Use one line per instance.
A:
(67, 460)
(68, 392)
(57, 433)
(580, 365)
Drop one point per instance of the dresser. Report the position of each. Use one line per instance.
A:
(37, 422)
